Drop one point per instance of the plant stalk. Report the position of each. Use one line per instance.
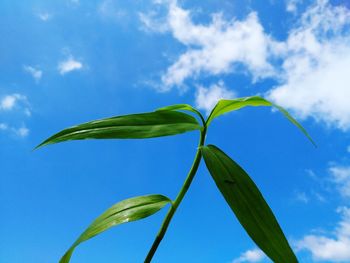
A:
(178, 199)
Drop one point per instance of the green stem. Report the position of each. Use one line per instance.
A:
(178, 199)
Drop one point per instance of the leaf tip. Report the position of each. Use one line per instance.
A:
(42, 144)
(313, 143)
(37, 147)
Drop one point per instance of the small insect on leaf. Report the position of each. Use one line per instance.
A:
(128, 210)
(225, 106)
(134, 126)
(248, 204)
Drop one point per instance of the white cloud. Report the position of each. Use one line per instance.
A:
(292, 5)
(69, 65)
(315, 73)
(315, 192)
(310, 66)
(44, 16)
(111, 10)
(215, 48)
(302, 197)
(334, 249)
(35, 72)
(15, 105)
(340, 175)
(22, 132)
(254, 255)
(19, 132)
(3, 126)
(151, 23)
(8, 102)
(319, 197)
(206, 98)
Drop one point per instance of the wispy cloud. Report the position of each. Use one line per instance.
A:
(44, 16)
(110, 10)
(302, 197)
(206, 98)
(292, 5)
(253, 255)
(68, 65)
(210, 48)
(332, 245)
(15, 106)
(310, 65)
(315, 189)
(325, 248)
(315, 73)
(35, 72)
(340, 175)
(9, 102)
(3, 126)
(21, 132)
(151, 22)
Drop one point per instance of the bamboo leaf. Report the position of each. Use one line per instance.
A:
(179, 107)
(248, 204)
(128, 210)
(186, 107)
(225, 106)
(134, 126)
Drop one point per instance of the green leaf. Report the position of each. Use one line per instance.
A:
(128, 210)
(134, 126)
(179, 107)
(186, 107)
(225, 106)
(248, 204)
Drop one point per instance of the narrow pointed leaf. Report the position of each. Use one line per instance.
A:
(248, 204)
(186, 107)
(179, 107)
(225, 106)
(134, 126)
(128, 210)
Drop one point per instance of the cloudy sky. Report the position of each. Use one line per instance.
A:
(67, 62)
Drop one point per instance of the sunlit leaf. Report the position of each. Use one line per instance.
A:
(178, 107)
(134, 126)
(186, 107)
(225, 106)
(128, 210)
(248, 204)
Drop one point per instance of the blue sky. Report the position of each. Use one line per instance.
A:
(67, 62)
